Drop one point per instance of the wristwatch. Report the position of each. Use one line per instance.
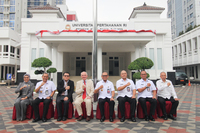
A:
(50, 96)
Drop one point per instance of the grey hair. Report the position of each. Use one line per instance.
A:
(45, 73)
(27, 75)
(84, 72)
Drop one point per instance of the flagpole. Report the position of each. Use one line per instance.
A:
(94, 48)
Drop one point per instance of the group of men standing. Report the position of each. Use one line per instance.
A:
(126, 93)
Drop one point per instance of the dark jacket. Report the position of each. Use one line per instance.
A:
(61, 89)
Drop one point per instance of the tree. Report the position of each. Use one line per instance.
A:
(44, 63)
(140, 64)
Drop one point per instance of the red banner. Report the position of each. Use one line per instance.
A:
(88, 31)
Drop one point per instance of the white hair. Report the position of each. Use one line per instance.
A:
(84, 72)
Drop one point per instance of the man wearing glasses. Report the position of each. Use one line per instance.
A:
(126, 93)
(65, 90)
(145, 88)
(106, 91)
(166, 92)
(46, 90)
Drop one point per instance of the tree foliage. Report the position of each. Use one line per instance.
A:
(44, 63)
(140, 64)
(51, 70)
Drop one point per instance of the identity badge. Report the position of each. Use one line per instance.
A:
(40, 91)
(108, 90)
(46, 92)
(128, 89)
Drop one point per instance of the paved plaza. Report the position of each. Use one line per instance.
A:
(188, 119)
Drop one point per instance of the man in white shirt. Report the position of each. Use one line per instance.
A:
(85, 92)
(126, 93)
(46, 90)
(145, 88)
(166, 92)
(106, 91)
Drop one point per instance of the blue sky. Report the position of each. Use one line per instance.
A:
(111, 10)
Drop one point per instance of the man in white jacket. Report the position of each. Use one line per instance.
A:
(166, 92)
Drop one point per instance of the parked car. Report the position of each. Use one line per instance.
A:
(181, 77)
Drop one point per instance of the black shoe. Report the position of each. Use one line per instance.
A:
(111, 119)
(146, 118)
(133, 119)
(165, 117)
(64, 118)
(44, 120)
(59, 119)
(102, 119)
(122, 119)
(171, 117)
(36, 120)
(151, 118)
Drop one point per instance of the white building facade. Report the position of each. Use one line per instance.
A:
(9, 52)
(71, 51)
(186, 53)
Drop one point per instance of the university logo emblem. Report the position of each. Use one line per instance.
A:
(68, 27)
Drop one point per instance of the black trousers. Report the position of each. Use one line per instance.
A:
(162, 103)
(59, 101)
(35, 105)
(122, 101)
(111, 106)
(153, 103)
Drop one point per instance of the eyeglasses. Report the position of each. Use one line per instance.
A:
(104, 75)
(143, 74)
(66, 75)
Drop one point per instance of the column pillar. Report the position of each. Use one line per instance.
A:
(49, 52)
(4, 71)
(142, 54)
(99, 62)
(54, 63)
(60, 62)
(137, 52)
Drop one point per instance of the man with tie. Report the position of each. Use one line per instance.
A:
(126, 93)
(85, 92)
(166, 92)
(145, 88)
(106, 91)
(65, 90)
(46, 90)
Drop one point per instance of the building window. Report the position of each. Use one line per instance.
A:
(33, 55)
(191, 6)
(151, 55)
(12, 49)
(41, 52)
(1, 16)
(197, 72)
(12, 16)
(12, 24)
(191, 15)
(5, 48)
(12, 2)
(159, 58)
(192, 23)
(1, 8)
(1, 2)
(1, 23)
(191, 69)
(12, 8)
(180, 49)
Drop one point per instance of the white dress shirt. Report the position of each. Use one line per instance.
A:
(106, 91)
(128, 91)
(45, 90)
(66, 91)
(164, 90)
(147, 93)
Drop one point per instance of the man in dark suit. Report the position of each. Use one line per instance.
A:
(65, 90)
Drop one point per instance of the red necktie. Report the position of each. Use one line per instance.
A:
(84, 93)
